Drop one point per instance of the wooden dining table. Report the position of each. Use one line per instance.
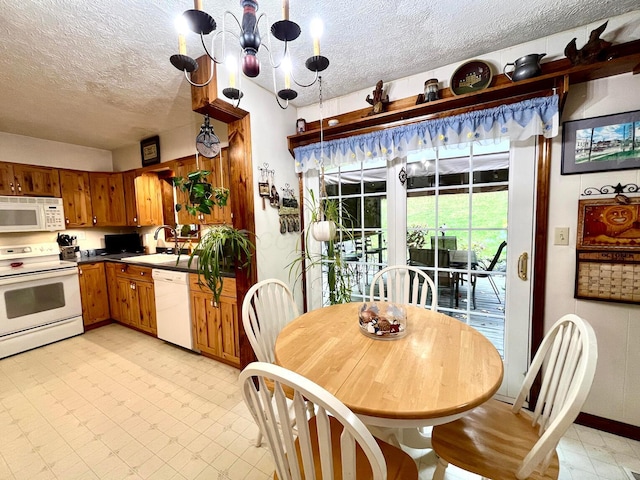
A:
(437, 371)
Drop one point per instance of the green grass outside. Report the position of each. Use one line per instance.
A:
(489, 212)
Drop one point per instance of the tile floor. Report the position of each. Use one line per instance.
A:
(117, 404)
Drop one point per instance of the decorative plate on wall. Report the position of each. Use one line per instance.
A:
(470, 77)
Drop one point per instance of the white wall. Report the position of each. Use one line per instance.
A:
(177, 143)
(616, 389)
(270, 126)
(34, 151)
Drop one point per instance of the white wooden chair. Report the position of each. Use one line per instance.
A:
(267, 307)
(500, 441)
(404, 284)
(333, 444)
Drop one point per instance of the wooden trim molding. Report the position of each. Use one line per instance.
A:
(611, 426)
(556, 77)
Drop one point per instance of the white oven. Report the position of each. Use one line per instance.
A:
(39, 298)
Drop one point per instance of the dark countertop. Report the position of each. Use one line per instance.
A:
(94, 257)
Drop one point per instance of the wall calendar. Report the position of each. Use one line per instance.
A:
(608, 250)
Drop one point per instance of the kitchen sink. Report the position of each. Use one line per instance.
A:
(163, 259)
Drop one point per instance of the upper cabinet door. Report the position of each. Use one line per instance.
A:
(7, 181)
(37, 181)
(19, 179)
(143, 199)
(76, 198)
(182, 169)
(107, 199)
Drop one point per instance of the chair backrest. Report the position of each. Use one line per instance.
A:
(569, 353)
(424, 257)
(404, 284)
(445, 242)
(496, 257)
(267, 307)
(268, 402)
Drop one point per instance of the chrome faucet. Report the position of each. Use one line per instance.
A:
(175, 236)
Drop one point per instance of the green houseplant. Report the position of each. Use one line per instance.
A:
(202, 196)
(221, 249)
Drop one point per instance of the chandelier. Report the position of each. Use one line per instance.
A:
(250, 42)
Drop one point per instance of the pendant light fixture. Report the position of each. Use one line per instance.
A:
(250, 42)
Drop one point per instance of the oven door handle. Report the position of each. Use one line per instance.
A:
(29, 277)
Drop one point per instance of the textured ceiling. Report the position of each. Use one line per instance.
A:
(96, 73)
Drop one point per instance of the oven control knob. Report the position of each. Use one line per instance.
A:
(26, 250)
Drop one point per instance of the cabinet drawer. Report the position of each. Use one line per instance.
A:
(134, 272)
(228, 286)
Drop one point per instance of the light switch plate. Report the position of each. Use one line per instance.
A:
(561, 236)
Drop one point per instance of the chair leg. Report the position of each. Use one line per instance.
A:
(473, 290)
(441, 467)
(258, 441)
(495, 288)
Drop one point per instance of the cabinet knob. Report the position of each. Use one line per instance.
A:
(142, 273)
(122, 270)
(12, 187)
(19, 189)
(80, 271)
(95, 220)
(133, 286)
(135, 219)
(67, 221)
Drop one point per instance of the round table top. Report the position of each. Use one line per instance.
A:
(441, 367)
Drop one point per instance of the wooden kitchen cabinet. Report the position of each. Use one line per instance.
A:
(135, 297)
(112, 285)
(107, 199)
(216, 326)
(76, 198)
(93, 293)
(143, 199)
(20, 179)
(181, 169)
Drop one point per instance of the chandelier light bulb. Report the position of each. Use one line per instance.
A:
(231, 64)
(316, 32)
(286, 67)
(181, 26)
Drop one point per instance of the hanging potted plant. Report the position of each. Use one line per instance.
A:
(324, 215)
(327, 226)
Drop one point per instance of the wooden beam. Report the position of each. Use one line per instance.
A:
(242, 198)
(205, 99)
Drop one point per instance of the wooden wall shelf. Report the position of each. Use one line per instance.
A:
(556, 77)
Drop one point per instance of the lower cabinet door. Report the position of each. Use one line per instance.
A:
(146, 307)
(93, 293)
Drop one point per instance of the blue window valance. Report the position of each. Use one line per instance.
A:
(516, 121)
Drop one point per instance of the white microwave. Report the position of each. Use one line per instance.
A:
(31, 214)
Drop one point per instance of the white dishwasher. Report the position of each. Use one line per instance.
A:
(173, 308)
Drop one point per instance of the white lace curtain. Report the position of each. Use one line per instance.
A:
(516, 121)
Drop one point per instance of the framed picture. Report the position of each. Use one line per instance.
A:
(606, 224)
(301, 125)
(600, 144)
(150, 150)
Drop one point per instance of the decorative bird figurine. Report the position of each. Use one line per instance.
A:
(594, 50)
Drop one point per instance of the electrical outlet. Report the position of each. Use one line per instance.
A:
(561, 236)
